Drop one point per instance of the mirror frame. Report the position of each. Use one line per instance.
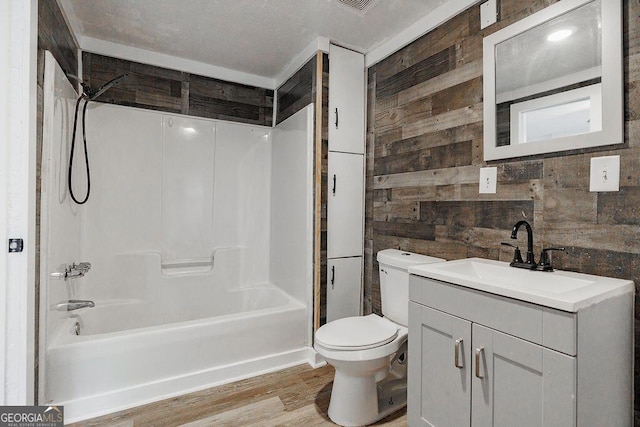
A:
(612, 84)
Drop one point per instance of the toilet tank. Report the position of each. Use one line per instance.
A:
(394, 281)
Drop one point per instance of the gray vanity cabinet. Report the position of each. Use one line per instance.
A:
(479, 359)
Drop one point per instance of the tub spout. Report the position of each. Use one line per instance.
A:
(74, 304)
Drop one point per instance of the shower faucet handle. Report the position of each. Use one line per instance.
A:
(72, 271)
(83, 266)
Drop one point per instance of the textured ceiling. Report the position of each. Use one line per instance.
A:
(258, 37)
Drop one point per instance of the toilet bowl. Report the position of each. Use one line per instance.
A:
(369, 352)
(360, 367)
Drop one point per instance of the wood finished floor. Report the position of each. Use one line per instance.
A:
(297, 396)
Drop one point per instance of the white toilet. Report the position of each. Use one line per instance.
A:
(369, 352)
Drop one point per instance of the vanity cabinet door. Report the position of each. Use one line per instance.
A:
(439, 380)
(516, 382)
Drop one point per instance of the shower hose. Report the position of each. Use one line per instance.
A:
(73, 149)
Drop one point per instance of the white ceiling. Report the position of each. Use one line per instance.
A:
(258, 37)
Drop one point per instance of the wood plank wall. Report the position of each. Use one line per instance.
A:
(324, 195)
(55, 36)
(297, 92)
(173, 91)
(301, 89)
(424, 152)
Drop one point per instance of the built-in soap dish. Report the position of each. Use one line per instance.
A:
(186, 266)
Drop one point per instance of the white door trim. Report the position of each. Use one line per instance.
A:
(18, 47)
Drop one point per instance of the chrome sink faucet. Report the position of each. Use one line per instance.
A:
(74, 304)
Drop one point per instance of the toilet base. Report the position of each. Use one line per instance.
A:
(374, 399)
(372, 402)
(347, 408)
(392, 396)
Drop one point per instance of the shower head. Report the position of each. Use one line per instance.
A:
(105, 87)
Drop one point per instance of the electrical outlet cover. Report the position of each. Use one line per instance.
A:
(605, 173)
(488, 13)
(488, 180)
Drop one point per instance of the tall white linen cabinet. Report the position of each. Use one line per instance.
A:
(345, 202)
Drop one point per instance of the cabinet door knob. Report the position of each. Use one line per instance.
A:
(334, 185)
(456, 354)
(479, 351)
(336, 118)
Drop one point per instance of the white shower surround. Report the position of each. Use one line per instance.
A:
(243, 309)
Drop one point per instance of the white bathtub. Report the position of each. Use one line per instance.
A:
(130, 352)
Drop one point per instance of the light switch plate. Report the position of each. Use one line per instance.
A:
(605, 173)
(488, 180)
(488, 13)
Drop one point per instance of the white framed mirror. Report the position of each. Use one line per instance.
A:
(553, 81)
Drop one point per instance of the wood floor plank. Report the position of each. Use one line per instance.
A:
(245, 415)
(291, 397)
(307, 416)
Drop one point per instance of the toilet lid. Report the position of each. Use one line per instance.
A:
(356, 333)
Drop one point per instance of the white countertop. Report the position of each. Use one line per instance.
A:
(563, 290)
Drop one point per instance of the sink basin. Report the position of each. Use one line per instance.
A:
(563, 290)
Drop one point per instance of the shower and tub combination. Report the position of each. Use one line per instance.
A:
(199, 237)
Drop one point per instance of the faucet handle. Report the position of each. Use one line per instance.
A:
(84, 266)
(517, 256)
(545, 259)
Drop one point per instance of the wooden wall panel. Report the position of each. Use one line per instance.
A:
(297, 92)
(173, 91)
(424, 153)
(55, 36)
(324, 176)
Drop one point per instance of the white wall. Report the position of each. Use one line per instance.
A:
(18, 38)
(174, 186)
(60, 218)
(242, 196)
(123, 213)
(177, 186)
(187, 170)
(292, 205)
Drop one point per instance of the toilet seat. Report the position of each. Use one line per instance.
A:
(356, 333)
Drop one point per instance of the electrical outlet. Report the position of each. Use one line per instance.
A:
(488, 13)
(488, 180)
(605, 173)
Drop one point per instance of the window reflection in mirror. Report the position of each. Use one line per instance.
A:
(573, 112)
